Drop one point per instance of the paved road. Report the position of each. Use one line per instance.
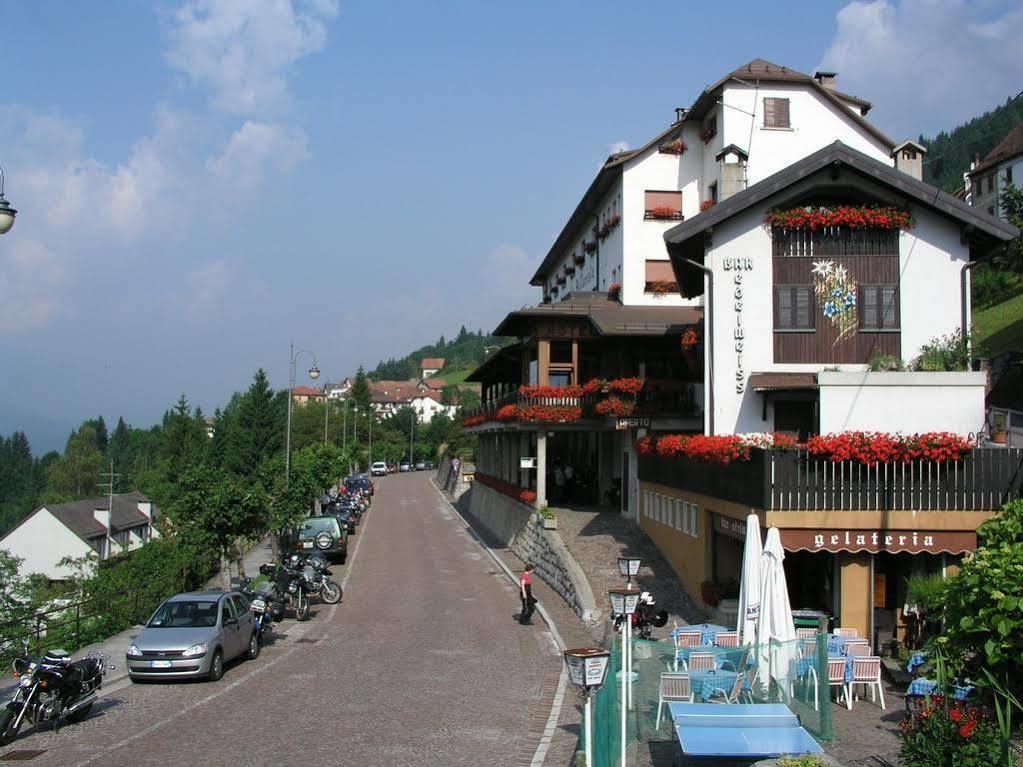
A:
(423, 663)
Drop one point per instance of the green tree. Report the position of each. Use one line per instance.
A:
(184, 440)
(1011, 201)
(257, 432)
(360, 393)
(76, 474)
(99, 426)
(13, 589)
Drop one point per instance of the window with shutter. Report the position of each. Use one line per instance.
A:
(793, 307)
(879, 307)
(776, 113)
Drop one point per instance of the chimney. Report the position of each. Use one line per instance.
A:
(909, 158)
(680, 115)
(828, 80)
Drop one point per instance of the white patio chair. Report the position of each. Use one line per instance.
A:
(805, 633)
(674, 688)
(688, 639)
(699, 661)
(721, 695)
(836, 678)
(809, 680)
(867, 672)
(846, 632)
(727, 639)
(857, 649)
(808, 647)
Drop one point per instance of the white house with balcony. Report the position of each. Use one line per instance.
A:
(100, 527)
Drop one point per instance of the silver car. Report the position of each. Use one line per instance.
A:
(194, 635)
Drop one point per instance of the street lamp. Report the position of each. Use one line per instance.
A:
(587, 668)
(7, 213)
(314, 373)
(628, 566)
(624, 603)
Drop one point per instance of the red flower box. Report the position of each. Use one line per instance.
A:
(706, 205)
(666, 212)
(689, 339)
(677, 146)
(613, 406)
(852, 216)
(614, 292)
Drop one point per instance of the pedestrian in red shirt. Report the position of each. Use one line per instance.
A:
(526, 595)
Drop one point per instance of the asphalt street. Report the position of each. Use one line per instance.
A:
(422, 663)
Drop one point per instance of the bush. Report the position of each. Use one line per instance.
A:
(945, 353)
(886, 363)
(928, 593)
(945, 733)
(990, 285)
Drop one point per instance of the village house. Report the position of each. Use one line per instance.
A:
(431, 366)
(99, 527)
(1000, 169)
(387, 397)
(769, 263)
(300, 395)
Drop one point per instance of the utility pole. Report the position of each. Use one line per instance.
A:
(412, 441)
(109, 485)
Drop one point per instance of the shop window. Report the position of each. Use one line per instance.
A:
(776, 113)
(792, 308)
(879, 307)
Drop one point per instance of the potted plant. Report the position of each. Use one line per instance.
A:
(547, 519)
(999, 428)
(710, 592)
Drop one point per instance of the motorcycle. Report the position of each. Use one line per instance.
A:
(52, 689)
(645, 619)
(291, 586)
(265, 607)
(315, 572)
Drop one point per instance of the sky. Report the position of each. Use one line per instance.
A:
(201, 182)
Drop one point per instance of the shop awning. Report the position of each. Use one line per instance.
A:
(877, 541)
(762, 382)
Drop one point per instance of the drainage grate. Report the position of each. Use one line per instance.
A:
(22, 755)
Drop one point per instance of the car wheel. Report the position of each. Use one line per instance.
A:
(216, 667)
(253, 646)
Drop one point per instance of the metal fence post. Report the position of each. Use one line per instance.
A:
(78, 624)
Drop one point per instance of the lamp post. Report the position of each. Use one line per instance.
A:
(629, 566)
(624, 603)
(326, 417)
(370, 456)
(314, 373)
(7, 213)
(344, 427)
(587, 668)
(412, 441)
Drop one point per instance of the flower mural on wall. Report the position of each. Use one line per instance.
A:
(835, 291)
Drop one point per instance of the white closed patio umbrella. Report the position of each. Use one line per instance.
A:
(749, 586)
(776, 624)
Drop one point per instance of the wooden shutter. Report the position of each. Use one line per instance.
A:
(783, 307)
(793, 307)
(803, 301)
(879, 307)
(776, 113)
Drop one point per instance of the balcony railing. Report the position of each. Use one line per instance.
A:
(655, 398)
(792, 480)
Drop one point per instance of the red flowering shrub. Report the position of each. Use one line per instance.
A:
(645, 445)
(872, 448)
(535, 391)
(615, 407)
(614, 292)
(628, 386)
(528, 497)
(594, 386)
(506, 488)
(506, 413)
(549, 413)
(689, 339)
(852, 216)
(706, 205)
(949, 732)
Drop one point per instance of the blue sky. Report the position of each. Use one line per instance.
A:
(201, 181)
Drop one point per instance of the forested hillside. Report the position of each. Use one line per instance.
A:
(949, 153)
(465, 351)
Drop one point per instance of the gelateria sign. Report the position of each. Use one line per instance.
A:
(876, 541)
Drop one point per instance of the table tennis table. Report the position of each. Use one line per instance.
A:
(753, 730)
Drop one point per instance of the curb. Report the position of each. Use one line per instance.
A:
(559, 695)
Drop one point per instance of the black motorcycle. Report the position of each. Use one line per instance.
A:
(51, 689)
(266, 606)
(645, 619)
(316, 574)
(291, 586)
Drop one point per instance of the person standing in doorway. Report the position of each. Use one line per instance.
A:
(569, 483)
(526, 595)
(559, 482)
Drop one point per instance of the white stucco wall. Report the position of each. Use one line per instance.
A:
(42, 541)
(931, 256)
(901, 402)
(816, 123)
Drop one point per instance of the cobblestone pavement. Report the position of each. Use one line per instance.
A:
(422, 663)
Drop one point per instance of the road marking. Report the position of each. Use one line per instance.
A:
(559, 696)
(224, 689)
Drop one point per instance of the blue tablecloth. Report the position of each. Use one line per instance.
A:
(915, 660)
(707, 631)
(731, 656)
(923, 686)
(836, 644)
(705, 681)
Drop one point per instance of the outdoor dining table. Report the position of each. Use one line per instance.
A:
(836, 644)
(705, 681)
(916, 660)
(731, 656)
(802, 666)
(923, 686)
(707, 631)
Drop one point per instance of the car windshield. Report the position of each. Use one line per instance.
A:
(316, 525)
(188, 614)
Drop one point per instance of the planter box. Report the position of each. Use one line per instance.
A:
(549, 523)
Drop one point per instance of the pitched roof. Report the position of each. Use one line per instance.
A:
(433, 383)
(830, 159)
(607, 317)
(1009, 147)
(432, 363)
(758, 69)
(79, 516)
(396, 392)
(306, 391)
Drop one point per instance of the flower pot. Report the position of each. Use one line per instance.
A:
(999, 437)
(549, 523)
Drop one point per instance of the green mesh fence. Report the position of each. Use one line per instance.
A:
(794, 673)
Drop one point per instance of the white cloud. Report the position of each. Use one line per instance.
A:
(29, 279)
(927, 65)
(619, 146)
(206, 285)
(242, 50)
(257, 147)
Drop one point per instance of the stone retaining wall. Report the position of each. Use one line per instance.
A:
(446, 479)
(518, 527)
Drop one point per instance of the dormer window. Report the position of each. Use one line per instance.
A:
(776, 113)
